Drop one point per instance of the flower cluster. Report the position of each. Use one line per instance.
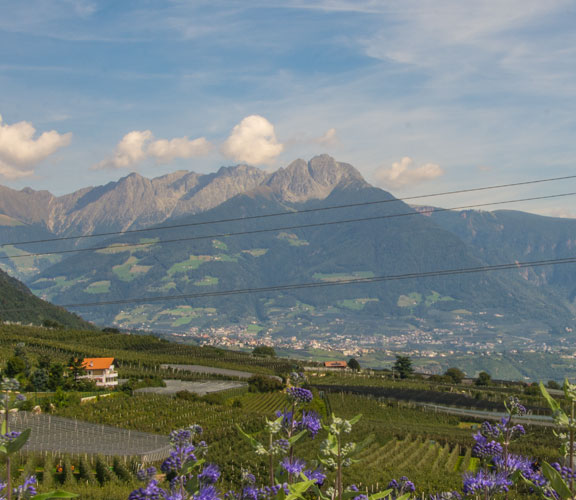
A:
(27, 489)
(514, 407)
(146, 474)
(485, 449)
(487, 483)
(299, 395)
(402, 486)
(564, 471)
(180, 467)
(293, 466)
(310, 421)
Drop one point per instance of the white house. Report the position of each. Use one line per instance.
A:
(101, 371)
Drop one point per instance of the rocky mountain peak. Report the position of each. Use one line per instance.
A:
(137, 201)
(302, 181)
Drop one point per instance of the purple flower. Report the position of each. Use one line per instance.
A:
(484, 448)
(146, 474)
(248, 477)
(403, 485)
(178, 457)
(299, 394)
(515, 408)
(311, 422)
(294, 466)
(207, 493)
(361, 497)
(250, 493)
(513, 463)
(486, 482)
(317, 475)
(564, 471)
(210, 474)
(26, 489)
(151, 492)
(287, 419)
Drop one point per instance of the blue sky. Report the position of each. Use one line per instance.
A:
(420, 95)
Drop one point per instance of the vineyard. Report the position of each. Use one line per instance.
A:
(137, 355)
(61, 436)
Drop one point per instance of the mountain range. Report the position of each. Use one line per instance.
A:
(275, 251)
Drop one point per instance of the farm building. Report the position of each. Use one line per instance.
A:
(338, 365)
(101, 371)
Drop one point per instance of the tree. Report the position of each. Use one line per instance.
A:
(484, 378)
(76, 367)
(56, 376)
(353, 364)
(15, 366)
(455, 374)
(264, 351)
(40, 380)
(403, 366)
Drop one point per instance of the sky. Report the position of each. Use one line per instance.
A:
(421, 96)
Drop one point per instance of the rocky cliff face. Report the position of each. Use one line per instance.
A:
(135, 201)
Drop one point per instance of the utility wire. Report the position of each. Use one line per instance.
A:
(284, 228)
(351, 281)
(308, 210)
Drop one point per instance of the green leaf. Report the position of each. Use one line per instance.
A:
(4, 430)
(552, 403)
(254, 442)
(297, 490)
(380, 494)
(355, 419)
(55, 494)
(16, 444)
(556, 481)
(364, 444)
(296, 437)
(406, 496)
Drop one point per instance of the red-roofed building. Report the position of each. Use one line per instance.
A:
(101, 371)
(341, 365)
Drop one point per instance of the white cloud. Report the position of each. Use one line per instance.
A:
(166, 151)
(138, 145)
(253, 141)
(20, 151)
(561, 212)
(404, 172)
(129, 151)
(329, 138)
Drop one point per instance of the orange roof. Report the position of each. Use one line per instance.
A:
(97, 363)
(335, 364)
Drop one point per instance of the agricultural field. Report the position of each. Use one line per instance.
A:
(136, 355)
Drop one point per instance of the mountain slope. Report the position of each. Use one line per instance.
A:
(320, 254)
(135, 201)
(508, 236)
(18, 304)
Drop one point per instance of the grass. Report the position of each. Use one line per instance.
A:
(193, 262)
(207, 281)
(342, 276)
(292, 239)
(98, 287)
(256, 252)
(355, 304)
(130, 270)
(219, 245)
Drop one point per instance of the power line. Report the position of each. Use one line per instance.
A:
(284, 228)
(308, 210)
(351, 281)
